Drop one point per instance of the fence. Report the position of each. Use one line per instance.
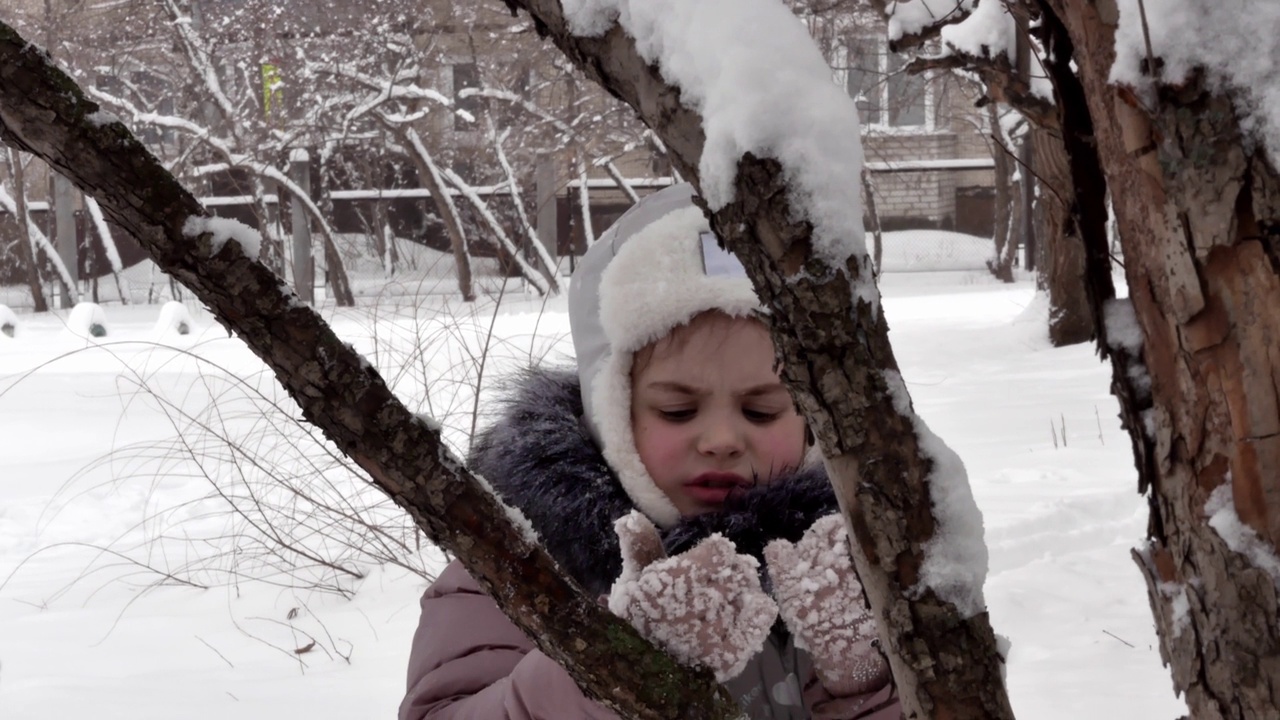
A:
(935, 214)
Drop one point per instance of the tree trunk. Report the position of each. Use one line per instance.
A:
(873, 216)
(1198, 208)
(1001, 264)
(44, 112)
(834, 351)
(1070, 319)
(26, 249)
(430, 178)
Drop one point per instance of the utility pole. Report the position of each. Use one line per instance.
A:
(62, 195)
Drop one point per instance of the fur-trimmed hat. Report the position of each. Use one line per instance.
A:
(651, 272)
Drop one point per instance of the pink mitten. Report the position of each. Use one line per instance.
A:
(704, 606)
(820, 600)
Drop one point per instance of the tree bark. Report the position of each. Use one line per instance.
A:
(26, 249)
(873, 216)
(44, 112)
(1001, 264)
(1070, 319)
(1198, 208)
(835, 356)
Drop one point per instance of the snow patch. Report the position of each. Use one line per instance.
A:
(174, 319)
(8, 323)
(98, 118)
(1180, 604)
(1123, 330)
(222, 230)
(1221, 511)
(989, 31)
(87, 320)
(908, 17)
(956, 561)
(755, 75)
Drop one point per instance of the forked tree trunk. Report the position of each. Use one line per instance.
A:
(1198, 207)
(1070, 319)
(26, 248)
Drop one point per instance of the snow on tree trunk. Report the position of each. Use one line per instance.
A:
(109, 245)
(905, 496)
(1198, 207)
(26, 247)
(43, 112)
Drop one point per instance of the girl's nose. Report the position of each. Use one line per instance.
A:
(721, 437)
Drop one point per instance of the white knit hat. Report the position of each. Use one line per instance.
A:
(648, 274)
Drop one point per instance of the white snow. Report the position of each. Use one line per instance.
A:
(222, 230)
(1233, 40)
(174, 319)
(1059, 523)
(908, 17)
(956, 563)
(8, 323)
(98, 118)
(1221, 511)
(753, 72)
(1123, 330)
(989, 31)
(87, 320)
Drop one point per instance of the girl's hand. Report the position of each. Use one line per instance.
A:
(821, 601)
(704, 606)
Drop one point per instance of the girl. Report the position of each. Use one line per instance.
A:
(668, 474)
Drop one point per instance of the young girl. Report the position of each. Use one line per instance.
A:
(670, 475)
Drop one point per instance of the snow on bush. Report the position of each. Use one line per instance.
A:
(8, 322)
(174, 319)
(87, 320)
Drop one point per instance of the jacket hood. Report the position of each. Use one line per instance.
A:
(654, 269)
(540, 458)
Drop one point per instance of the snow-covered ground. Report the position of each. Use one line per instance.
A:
(115, 443)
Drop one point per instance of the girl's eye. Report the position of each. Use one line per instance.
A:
(760, 416)
(677, 415)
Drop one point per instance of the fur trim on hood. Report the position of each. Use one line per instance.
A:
(540, 458)
(649, 273)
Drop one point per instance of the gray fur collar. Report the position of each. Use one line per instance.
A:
(541, 459)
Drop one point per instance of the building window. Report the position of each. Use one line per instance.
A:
(886, 95)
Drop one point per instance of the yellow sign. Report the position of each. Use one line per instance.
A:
(271, 87)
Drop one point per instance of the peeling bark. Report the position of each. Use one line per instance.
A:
(1198, 208)
(1070, 318)
(43, 112)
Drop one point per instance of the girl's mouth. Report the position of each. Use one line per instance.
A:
(713, 488)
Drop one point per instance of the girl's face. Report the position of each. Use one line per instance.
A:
(709, 413)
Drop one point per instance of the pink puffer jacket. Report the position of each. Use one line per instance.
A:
(469, 662)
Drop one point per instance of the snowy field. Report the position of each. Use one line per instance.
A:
(116, 464)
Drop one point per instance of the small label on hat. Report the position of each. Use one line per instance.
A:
(718, 262)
